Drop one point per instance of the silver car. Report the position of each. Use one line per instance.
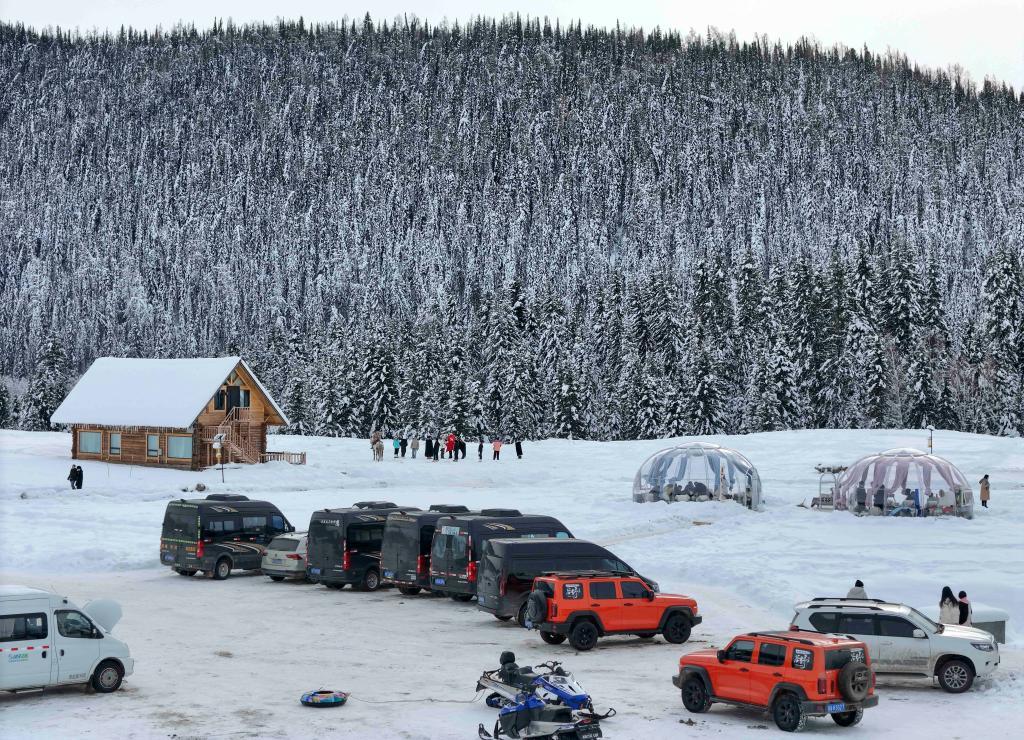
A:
(285, 557)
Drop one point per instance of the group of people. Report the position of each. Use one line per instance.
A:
(952, 609)
(911, 503)
(75, 476)
(436, 448)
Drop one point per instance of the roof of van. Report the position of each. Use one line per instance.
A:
(417, 514)
(225, 506)
(511, 522)
(16, 591)
(526, 544)
(352, 511)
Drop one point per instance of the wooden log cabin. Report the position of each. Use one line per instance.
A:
(168, 412)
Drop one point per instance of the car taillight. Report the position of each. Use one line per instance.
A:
(501, 587)
(471, 572)
(346, 560)
(822, 684)
(199, 549)
(293, 556)
(421, 565)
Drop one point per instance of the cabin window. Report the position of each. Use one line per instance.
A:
(179, 447)
(89, 442)
(243, 399)
(115, 443)
(153, 445)
(218, 401)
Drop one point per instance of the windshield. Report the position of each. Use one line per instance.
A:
(924, 621)
(181, 522)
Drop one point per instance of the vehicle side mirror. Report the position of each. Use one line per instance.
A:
(96, 634)
(919, 634)
(649, 595)
(721, 656)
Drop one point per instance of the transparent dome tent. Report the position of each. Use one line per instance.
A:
(698, 471)
(905, 482)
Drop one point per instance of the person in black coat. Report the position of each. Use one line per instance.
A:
(73, 477)
(79, 475)
(460, 445)
(480, 449)
(519, 449)
(403, 443)
(428, 450)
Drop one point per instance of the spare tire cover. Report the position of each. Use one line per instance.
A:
(854, 681)
(537, 607)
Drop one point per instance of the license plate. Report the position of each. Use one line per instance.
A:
(836, 706)
(315, 571)
(389, 574)
(438, 581)
(168, 557)
(588, 732)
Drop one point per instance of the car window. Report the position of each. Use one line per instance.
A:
(889, 626)
(856, 624)
(73, 624)
(22, 627)
(602, 590)
(284, 544)
(741, 650)
(633, 590)
(254, 523)
(803, 660)
(219, 526)
(277, 522)
(836, 659)
(771, 653)
(825, 621)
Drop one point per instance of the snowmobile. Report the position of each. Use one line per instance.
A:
(531, 704)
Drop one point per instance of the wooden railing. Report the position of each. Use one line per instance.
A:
(292, 458)
(230, 427)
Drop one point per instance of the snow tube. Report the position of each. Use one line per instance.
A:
(323, 698)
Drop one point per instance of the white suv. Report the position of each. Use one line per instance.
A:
(902, 640)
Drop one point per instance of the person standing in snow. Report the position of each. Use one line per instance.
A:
(460, 447)
(496, 446)
(966, 617)
(449, 445)
(415, 445)
(73, 477)
(403, 443)
(857, 592)
(437, 447)
(79, 475)
(985, 491)
(519, 449)
(398, 444)
(949, 607)
(480, 449)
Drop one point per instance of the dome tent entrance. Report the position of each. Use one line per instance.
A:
(698, 471)
(906, 482)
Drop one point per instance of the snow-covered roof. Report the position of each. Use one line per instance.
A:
(121, 391)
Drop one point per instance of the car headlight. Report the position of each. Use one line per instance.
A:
(985, 647)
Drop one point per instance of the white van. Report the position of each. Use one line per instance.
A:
(45, 640)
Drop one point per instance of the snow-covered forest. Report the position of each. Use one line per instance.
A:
(515, 228)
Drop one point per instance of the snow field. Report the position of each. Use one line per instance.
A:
(226, 659)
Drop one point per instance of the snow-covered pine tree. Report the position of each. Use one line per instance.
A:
(47, 387)
(877, 393)
(706, 407)
(296, 396)
(6, 411)
(922, 400)
(379, 385)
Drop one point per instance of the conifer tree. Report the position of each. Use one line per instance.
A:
(6, 412)
(47, 387)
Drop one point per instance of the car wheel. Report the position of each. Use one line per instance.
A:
(848, 719)
(788, 714)
(695, 695)
(536, 608)
(523, 613)
(956, 676)
(107, 677)
(371, 581)
(854, 680)
(502, 617)
(677, 629)
(186, 573)
(583, 635)
(552, 638)
(408, 590)
(222, 570)
(462, 597)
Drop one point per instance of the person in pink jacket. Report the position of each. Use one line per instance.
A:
(496, 446)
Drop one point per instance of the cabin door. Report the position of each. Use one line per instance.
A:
(234, 397)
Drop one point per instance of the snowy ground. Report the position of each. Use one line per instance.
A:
(230, 659)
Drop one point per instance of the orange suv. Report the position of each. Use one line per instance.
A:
(793, 675)
(585, 606)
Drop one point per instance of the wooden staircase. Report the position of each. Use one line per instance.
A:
(233, 441)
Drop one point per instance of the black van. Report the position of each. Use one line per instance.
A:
(508, 567)
(218, 533)
(405, 554)
(455, 551)
(344, 544)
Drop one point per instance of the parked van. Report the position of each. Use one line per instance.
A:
(508, 567)
(285, 557)
(458, 540)
(46, 640)
(405, 553)
(218, 534)
(344, 544)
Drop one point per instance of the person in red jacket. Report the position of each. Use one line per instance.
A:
(449, 444)
(496, 446)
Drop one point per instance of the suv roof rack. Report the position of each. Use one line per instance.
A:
(847, 598)
(500, 512)
(589, 573)
(226, 497)
(780, 636)
(449, 508)
(373, 505)
(845, 606)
